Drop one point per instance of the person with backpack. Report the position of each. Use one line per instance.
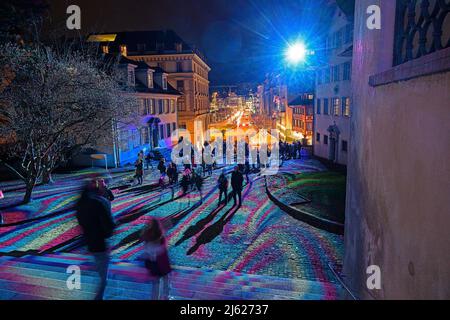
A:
(222, 183)
(156, 258)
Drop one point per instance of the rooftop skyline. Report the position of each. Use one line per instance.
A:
(241, 41)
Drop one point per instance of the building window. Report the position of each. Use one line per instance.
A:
(318, 106)
(160, 106)
(152, 106)
(327, 75)
(181, 105)
(105, 49)
(325, 106)
(346, 106)
(308, 126)
(182, 126)
(168, 130)
(344, 145)
(172, 106)
(166, 105)
(164, 82)
(135, 138)
(336, 106)
(150, 79)
(124, 137)
(144, 136)
(123, 50)
(161, 131)
(325, 139)
(174, 126)
(142, 107)
(318, 137)
(180, 85)
(347, 74)
(335, 74)
(131, 80)
(179, 66)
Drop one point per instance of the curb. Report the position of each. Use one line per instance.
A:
(321, 223)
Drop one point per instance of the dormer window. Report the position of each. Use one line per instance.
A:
(179, 47)
(150, 79)
(105, 49)
(131, 79)
(123, 50)
(164, 82)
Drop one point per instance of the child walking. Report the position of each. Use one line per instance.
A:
(157, 259)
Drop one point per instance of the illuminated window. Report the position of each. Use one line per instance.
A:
(123, 50)
(164, 82)
(336, 106)
(150, 79)
(346, 107)
(105, 49)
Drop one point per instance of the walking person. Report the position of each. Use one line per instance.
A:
(139, 173)
(156, 258)
(93, 212)
(222, 183)
(171, 173)
(198, 181)
(185, 180)
(236, 184)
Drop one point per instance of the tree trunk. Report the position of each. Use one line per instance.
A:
(28, 192)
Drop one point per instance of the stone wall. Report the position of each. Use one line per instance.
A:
(398, 204)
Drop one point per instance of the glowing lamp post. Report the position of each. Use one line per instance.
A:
(297, 53)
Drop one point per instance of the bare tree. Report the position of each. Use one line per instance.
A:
(52, 103)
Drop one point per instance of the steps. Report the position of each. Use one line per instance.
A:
(35, 277)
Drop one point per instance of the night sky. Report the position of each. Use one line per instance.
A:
(242, 39)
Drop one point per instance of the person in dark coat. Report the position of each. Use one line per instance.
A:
(139, 164)
(107, 193)
(93, 212)
(236, 184)
(222, 183)
(162, 166)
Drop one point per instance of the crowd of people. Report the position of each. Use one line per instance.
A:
(290, 150)
(93, 211)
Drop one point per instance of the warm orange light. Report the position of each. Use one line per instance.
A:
(102, 38)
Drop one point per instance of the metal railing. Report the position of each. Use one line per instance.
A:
(422, 27)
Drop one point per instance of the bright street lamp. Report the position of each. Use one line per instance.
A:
(296, 53)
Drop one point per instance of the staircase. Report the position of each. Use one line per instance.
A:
(33, 277)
